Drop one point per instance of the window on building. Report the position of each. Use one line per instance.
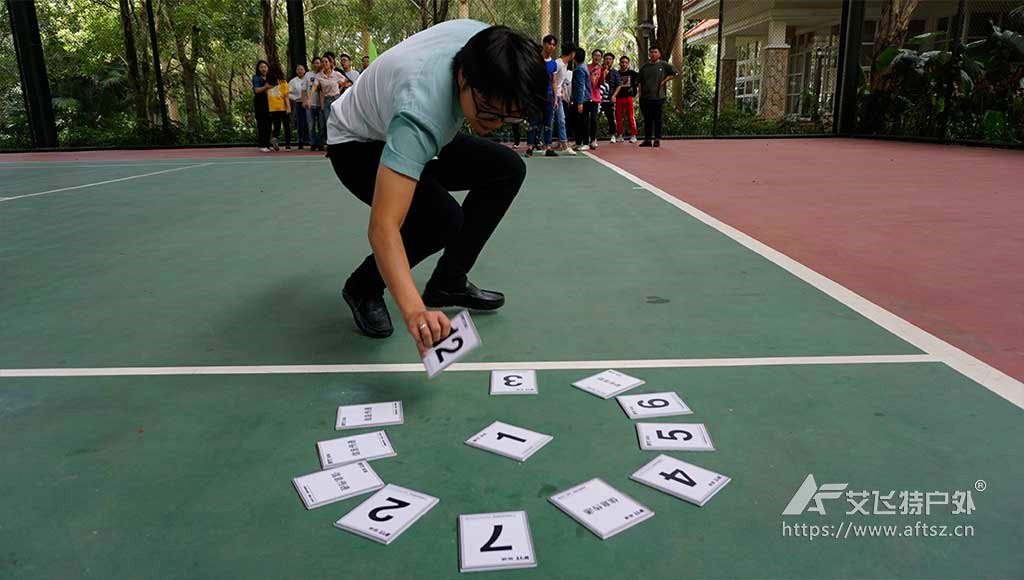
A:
(748, 77)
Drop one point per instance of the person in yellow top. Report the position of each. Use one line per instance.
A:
(279, 106)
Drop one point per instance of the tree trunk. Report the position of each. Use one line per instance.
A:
(147, 75)
(131, 59)
(188, 67)
(668, 13)
(892, 30)
(216, 92)
(270, 32)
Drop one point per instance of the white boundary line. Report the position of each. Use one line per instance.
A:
(485, 366)
(984, 374)
(102, 182)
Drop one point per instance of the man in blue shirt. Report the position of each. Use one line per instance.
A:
(540, 127)
(394, 141)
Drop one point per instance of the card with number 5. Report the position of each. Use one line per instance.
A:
(462, 339)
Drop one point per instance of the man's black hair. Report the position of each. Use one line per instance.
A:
(506, 66)
(343, 55)
(607, 54)
(625, 57)
(653, 47)
(581, 55)
(568, 48)
(596, 50)
(551, 38)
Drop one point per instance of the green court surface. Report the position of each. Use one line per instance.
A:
(229, 263)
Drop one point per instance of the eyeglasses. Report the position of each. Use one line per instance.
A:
(483, 114)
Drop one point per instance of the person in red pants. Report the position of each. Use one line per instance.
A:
(623, 99)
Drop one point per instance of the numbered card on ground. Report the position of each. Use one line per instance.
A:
(650, 405)
(387, 513)
(459, 343)
(369, 415)
(335, 484)
(601, 508)
(495, 541)
(513, 442)
(608, 384)
(345, 450)
(674, 437)
(681, 479)
(513, 382)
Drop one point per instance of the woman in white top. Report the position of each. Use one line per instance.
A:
(297, 88)
(327, 87)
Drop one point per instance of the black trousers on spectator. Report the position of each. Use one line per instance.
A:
(490, 171)
(583, 135)
(593, 111)
(609, 114)
(263, 129)
(570, 119)
(652, 110)
(277, 119)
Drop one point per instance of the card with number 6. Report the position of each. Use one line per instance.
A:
(462, 339)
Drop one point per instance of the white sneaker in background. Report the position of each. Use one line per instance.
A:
(582, 148)
(264, 149)
(613, 139)
(569, 151)
(632, 139)
(593, 144)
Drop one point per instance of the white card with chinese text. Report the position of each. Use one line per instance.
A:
(462, 339)
(510, 441)
(608, 384)
(345, 450)
(369, 415)
(513, 382)
(335, 484)
(681, 479)
(674, 437)
(495, 541)
(387, 513)
(650, 405)
(601, 508)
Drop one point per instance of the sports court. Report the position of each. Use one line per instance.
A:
(173, 344)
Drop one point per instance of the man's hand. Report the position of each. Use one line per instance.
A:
(427, 328)
(579, 108)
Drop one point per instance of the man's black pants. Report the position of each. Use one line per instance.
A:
(652, 110)
(490, 171)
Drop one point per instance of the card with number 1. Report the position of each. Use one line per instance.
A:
(462, 339)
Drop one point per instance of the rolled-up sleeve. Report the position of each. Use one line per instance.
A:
(412, 141)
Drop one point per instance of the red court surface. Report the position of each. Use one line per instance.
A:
(932, 233)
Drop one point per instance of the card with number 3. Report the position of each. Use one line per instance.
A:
(462, 339)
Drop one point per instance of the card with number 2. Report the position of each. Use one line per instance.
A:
(462, 339)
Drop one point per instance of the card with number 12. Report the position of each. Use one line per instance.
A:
(462, 339)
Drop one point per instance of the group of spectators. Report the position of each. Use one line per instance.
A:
(581, 92)
(305, 100)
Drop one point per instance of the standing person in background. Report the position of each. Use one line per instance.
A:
(279, 107)
(581, 100)
(540, 126)
(366, 64)
(297, 99)
(327, 88)
(597, 73)
(563, 93)
(259, 105)
(608, 87)
(653, 77)
(623, 98)
(316, 138)
(346, 68)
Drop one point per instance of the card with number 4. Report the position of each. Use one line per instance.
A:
(649, 405)
(495, 541)
(674, 437)
(681, 479)
(513, 382)
(512, 442)
(387, 513)
(608, 384)
(462, 339)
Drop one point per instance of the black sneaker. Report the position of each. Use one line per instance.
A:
(657, 143)
(550, 153)
(468, 297)
(370, 314)
(529, 152)
(645, 143)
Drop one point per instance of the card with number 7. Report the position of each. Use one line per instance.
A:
(462, 339)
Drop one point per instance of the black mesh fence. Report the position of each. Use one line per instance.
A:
(935, 69)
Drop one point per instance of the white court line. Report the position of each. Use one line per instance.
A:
(984, 374)
(676, 363)
(102, 182)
